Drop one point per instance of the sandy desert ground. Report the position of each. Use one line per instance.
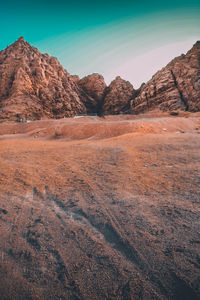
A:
(100, 208)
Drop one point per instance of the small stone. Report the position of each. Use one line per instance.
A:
(154, 165)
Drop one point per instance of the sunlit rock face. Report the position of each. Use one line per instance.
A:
(94, 86)
(35, 85)
(175, 87)
(118, 96)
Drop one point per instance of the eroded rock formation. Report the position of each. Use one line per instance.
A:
(35, 85)
(95, 86)
(175, 87)
(118, 96)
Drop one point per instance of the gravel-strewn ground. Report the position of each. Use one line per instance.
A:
(96, 208)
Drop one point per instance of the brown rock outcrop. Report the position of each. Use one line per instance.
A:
(76, 78)
(35, 85)
(94, 86)
(118, 96)
(175, 87)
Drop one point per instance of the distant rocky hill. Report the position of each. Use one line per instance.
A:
(95, 86)
(35, 85)
(118, 96)
(175, 87)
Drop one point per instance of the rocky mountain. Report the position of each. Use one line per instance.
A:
(175, 87)
(35, 85)
(118, 96)
(95, 86)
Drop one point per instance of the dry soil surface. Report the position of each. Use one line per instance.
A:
(94, 208)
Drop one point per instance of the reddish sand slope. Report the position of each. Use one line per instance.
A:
(96, 208)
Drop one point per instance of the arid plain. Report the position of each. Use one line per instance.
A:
(100, 208)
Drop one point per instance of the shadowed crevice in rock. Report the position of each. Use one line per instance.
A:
(180, 93)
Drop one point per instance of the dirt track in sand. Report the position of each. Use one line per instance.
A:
(96, 208)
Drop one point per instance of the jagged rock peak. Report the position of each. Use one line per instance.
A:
(197, 44)
(75, 78)
(20, 39)
(195, 49)
(97, 75)
(94, 86)
(21, 42)
(174, 87)
(35, 85)
(118, 78)
(20, 48)
(118, 96)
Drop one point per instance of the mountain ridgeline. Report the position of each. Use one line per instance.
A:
(35, 86)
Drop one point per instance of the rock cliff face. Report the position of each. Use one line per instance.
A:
(175, 87)
(35, 85)
(118, 96)
(94, 86)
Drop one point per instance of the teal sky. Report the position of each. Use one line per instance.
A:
(132, 39)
